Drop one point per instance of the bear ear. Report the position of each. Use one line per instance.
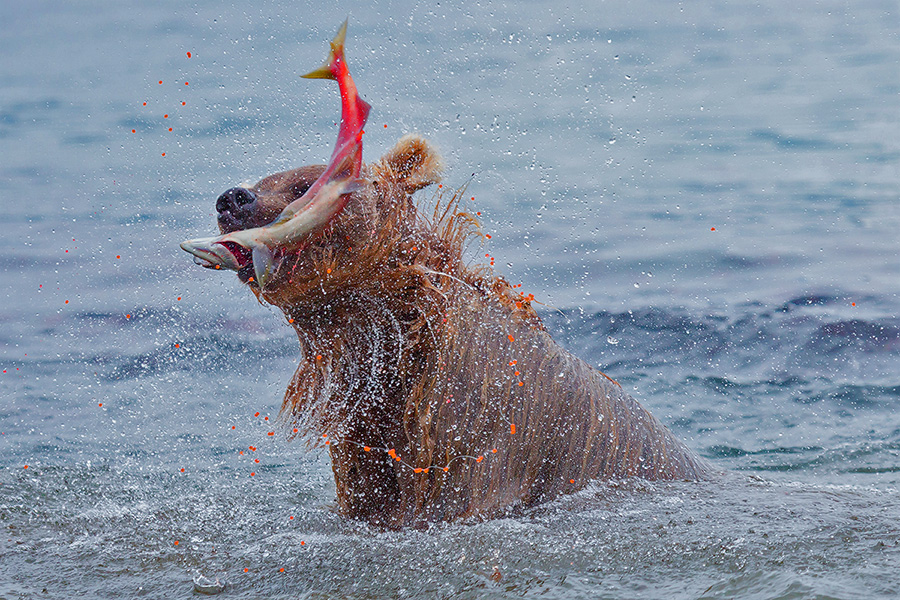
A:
(413, 163)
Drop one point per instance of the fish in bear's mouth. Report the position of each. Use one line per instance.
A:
(258, 252)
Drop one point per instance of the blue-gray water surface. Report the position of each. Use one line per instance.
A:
(703, 197)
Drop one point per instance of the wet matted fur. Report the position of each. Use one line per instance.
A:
(435, 385)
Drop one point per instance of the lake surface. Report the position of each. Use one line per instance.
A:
(704, 198)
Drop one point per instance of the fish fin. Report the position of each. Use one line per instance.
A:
(264, 264)
(337, 51)
(354, 185)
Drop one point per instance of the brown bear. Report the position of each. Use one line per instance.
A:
(434, 384)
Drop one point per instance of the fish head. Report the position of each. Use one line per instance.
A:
(219, 252)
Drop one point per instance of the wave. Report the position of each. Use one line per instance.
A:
(788, 344)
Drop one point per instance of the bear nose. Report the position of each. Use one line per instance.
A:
(237, 200)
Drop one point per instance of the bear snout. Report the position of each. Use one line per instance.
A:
(236, 208)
